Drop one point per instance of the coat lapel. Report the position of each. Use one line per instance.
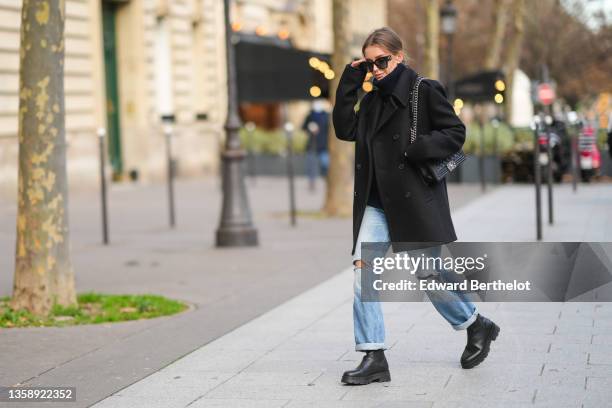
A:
(373, 112)
(388, 110)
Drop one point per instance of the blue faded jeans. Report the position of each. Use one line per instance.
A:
(368, 322)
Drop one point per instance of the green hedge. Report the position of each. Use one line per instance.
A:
(275, 142)
(602, 138)
(272, 141)
(507, 138)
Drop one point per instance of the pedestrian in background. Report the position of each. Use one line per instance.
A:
(316, 126)
(392, 202)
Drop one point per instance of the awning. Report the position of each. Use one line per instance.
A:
(271, 70)
(479, 87)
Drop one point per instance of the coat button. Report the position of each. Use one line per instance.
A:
(396, 136)
(401, 165)
(358, 165)
(408, 194)
(355, 194)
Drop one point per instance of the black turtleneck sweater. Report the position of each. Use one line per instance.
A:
(385, 87)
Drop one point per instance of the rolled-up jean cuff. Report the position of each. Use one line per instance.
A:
(468, 322)
(370, 346)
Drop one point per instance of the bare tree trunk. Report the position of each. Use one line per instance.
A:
(500, 14)
(514, 53)
(43, 269)
(339, 197)
(432, 38)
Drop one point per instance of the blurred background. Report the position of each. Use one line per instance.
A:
(131, 64)
(181, 141)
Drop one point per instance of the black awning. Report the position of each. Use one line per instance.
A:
(271, 70)
(478, 87)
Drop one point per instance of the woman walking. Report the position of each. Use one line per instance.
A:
(392, 201)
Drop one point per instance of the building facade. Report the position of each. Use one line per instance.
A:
(130, 64)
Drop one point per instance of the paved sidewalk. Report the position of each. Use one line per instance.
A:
(548, 354)
(227, 287)
(554, 355)
(509, 214)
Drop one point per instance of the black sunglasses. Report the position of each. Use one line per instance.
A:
(381, 63)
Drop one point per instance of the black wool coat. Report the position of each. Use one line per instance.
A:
(415, 211)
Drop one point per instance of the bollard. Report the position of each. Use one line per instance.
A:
(574, 158)
(495, 123)
(250, 128)
(572, 119)
(481, 164)
(168, 137)
(103, 197)
(537, 175)
(548, 123)
(312, 161)
(289, 133)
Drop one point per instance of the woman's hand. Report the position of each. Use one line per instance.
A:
(356, 63)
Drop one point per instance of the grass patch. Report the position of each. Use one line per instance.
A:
(93, 308)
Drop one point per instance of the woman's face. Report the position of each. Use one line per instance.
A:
(374, 52)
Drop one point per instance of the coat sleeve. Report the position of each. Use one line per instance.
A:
(447, 130)
(344, 116)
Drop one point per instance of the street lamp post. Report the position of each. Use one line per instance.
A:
(448, 18)
(236, 227)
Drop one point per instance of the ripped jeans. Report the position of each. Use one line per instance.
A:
(368, 323)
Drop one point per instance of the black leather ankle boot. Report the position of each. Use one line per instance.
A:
(373, 367)
(480, 335)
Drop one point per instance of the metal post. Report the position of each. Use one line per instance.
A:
(448, 25)
(220, 162)
(250, 128)
(481, 162)
(449, 83)
(574, 157)
(574, 123)
(537, 176)
(170, 170)
(103, 197)
(235, 227)
(449, 72)
(548, 123)
(495, 123)
(289, 133)
(312, 161)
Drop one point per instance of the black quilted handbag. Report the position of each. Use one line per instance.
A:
(433, 171)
